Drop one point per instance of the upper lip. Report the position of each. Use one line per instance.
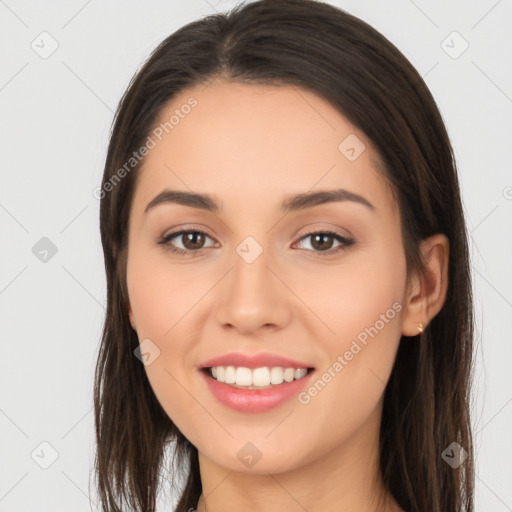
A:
(253, 361)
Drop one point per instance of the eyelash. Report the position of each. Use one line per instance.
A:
(345, 241)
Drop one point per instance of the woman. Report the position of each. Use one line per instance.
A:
(289, 299)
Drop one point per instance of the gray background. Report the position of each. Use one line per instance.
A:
(55, 121)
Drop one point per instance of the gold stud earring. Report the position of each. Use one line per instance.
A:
(420, 328)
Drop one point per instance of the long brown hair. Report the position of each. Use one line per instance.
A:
(342, 59)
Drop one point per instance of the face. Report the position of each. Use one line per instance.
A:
(318, 282)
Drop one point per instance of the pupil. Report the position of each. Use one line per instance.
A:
(191, 237)
(322, 245)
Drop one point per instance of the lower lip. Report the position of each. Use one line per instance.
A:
(255, 400)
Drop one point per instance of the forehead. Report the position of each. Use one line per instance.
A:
(254, 142)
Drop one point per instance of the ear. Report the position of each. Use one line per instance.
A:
(425, 299)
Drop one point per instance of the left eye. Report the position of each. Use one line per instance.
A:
(193, 241)
(318, 241)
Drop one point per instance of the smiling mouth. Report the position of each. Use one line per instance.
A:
(255, 378)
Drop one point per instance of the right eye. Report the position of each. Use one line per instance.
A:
(192, 241)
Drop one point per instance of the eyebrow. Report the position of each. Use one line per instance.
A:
(290, 204)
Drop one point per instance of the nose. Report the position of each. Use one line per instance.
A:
(253, 297)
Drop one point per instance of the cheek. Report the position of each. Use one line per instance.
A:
(364, 310)
(352, 298)
(362, 306)
(160, 297)
(161, 294)
(367, 303)
(165, 299)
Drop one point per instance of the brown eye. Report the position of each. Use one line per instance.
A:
(190, 240)
(322, 241)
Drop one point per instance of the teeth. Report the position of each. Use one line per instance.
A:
(257, 377)
(300, 372)
(243, 377)
(260, 377)
(289, 374)
(229, 375)
(276, 375)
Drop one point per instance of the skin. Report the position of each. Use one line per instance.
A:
(249, 147)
